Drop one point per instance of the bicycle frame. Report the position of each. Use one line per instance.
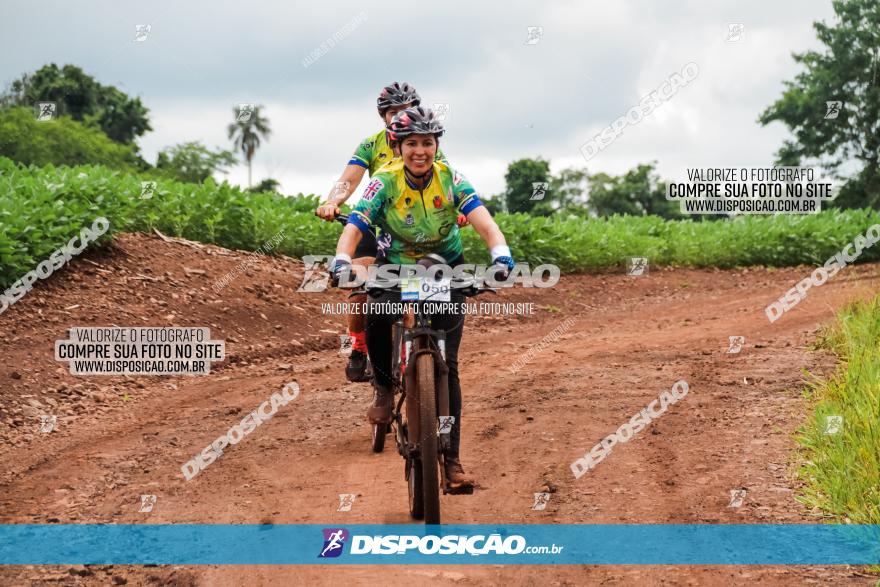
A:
(413, 337)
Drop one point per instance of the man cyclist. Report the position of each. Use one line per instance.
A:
(372, 153)
(415, 200)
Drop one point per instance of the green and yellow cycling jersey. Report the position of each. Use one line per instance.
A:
(416, 222)
(374, 152)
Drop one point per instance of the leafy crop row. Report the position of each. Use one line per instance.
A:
(579, 244)
(42, 208)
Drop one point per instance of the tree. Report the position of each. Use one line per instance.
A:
(122, 118)
(493, 204)
(520, 179)
(81, 97)
(569, 188)
(193, 162)
(267, 185)
(247, 132)
(638, 192)
(846, 70)
(62, 141)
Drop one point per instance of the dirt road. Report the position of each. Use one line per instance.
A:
(631, 338)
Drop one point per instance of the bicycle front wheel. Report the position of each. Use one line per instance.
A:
(428, 441)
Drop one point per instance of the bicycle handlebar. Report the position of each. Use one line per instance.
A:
(468, 291)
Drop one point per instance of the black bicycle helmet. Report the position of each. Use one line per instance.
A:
(414, 121)
(397, 94)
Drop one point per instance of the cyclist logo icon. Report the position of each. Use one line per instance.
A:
(148, 188)
(147, 503)
(833, 424)
(346, 501)
(441, 110)
(636, 266)
(534, 35)
(735, 32)
(541, 501)
(539, 190)
(334, 540)
(244, 112)
(141, 32)
(446, 423)
(315, 276)
(340, 190)
(736, 498)
(47, 423)
(736, 344)
(832, 109)
(45, 110)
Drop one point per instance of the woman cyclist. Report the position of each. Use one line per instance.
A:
(372, 153)
(415, 200)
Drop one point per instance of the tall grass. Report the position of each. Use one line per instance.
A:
(842, 470)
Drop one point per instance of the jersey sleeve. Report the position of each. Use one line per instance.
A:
(466, 198)
(363, 154)
(366, 212)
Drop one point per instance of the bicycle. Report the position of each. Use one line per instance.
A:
(421, 421)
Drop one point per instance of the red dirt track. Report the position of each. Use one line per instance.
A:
(633, 337)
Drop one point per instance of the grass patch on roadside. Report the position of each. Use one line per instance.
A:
(841, 469)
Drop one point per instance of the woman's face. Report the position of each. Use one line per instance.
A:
(418, 152)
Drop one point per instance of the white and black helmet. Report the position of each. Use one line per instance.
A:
(414, 121)
(397, 94)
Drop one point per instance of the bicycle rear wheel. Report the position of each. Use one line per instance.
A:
(428, 441)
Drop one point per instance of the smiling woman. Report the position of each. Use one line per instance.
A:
(416, 201)
(642, 250)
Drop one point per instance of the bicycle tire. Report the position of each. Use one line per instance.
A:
(414, 488)
(428, 441)
(379, 433)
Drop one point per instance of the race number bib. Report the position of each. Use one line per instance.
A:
(435, 290)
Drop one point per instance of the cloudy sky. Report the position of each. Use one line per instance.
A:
(507, 99)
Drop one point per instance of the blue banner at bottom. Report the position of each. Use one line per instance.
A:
(527, 544)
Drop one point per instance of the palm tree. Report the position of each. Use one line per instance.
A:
(247, 132)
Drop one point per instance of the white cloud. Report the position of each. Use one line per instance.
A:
(508, 100)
